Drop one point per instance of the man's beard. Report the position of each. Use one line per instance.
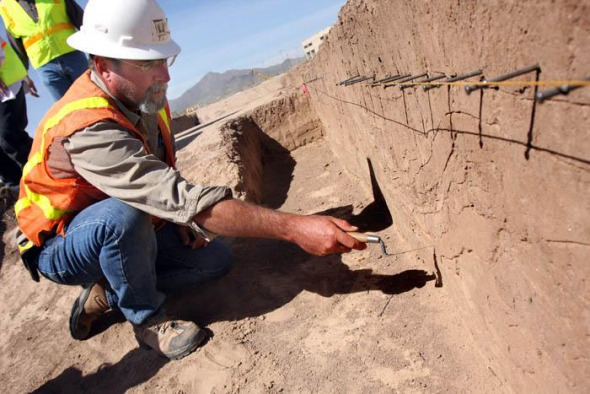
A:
(150, 105)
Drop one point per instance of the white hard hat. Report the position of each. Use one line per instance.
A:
(125, 29)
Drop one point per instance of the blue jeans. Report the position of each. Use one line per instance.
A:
(114, 240)
(59, 74)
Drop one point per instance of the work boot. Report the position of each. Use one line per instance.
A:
(88, 307)
(170, 338)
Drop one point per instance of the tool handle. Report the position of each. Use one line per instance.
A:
(366, 238)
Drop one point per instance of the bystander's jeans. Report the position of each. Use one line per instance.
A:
(59, 74)
(114, 240)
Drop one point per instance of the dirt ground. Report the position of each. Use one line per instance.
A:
(502, 213)
(282, 321)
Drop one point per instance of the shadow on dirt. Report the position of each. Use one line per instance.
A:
(136, 367)
(269, 274)
(278, 173)
(260, 283)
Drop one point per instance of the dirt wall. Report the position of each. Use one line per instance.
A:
(185, 122)
(495, 182)
(289, 120)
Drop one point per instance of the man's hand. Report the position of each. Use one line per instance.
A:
(189, 238)
(323, 235)
(32, 87)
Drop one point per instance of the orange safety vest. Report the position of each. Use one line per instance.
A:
(46, 204)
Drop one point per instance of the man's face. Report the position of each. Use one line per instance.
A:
(139, 88)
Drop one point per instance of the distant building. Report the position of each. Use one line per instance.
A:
(312, 44)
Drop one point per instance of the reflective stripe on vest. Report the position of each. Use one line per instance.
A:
(164, 125)
(30, 41)
(49, 211)
(44, 40)
(12, 69)
(35, 159)
(164, 117)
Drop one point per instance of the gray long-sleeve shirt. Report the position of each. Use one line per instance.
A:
(73, 10)
(113, 160)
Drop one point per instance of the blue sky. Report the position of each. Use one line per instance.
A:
(220, 35)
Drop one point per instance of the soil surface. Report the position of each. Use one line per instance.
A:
(282, 320)
(482, 202)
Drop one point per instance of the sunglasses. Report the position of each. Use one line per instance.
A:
(147, 65)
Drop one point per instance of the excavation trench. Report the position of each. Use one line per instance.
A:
(251, 152)
(296, 307)
(498, 207)
(282, 319)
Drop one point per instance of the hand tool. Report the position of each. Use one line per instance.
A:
(369, 239)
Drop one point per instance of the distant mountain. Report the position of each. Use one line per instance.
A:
(216, 86)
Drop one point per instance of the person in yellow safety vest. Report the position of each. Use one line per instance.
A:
(38, 32)
(101, 172)
(15, 143)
